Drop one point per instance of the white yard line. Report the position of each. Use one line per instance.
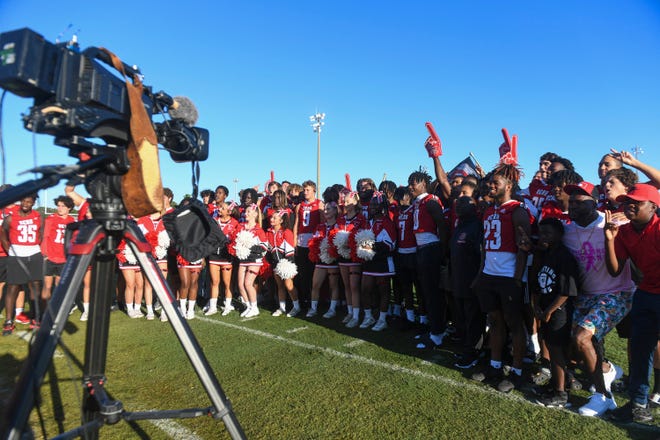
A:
(174, 430)
(297, 329)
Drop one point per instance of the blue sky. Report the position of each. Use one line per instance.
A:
(575, 78)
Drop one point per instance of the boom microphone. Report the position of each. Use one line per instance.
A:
(184, 110)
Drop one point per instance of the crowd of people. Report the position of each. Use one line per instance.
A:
(514, 275)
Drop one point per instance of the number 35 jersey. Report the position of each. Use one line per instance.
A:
(24, 236)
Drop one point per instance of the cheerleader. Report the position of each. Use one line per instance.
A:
(351, 271)
(281, 250)
(375, 246)
(326, 265)
(250, 246)
(220, 263)
(154, 231)
(133, 280)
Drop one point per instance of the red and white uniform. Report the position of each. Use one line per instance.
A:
(4, 213)
(230, 229)
(262, 242)
(52, 245)
(309, 217)
(24, 234)
(382, 264)
(405, 236)
(500, 239)
(280, 243)
(344, 223)
(539, 193)
(152, 228)
(424, 227)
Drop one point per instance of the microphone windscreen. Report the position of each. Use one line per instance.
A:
(184, 110)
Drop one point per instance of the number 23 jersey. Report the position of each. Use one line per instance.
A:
(500, 239)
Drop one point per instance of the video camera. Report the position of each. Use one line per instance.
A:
(75, 95)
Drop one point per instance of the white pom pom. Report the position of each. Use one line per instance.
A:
(324, 255)
(286, 270)
(130, 256)
(365, 240)
(163, 239)
(161, 252)
(243, 244)
(341, 243)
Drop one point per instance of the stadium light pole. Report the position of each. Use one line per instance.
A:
(236, 188)
(317, 124)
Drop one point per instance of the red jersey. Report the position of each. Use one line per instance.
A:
(309, 216)
(500, 239)
(258, 232)
(24, 230)
(551, 209)
(643, 248)
(539, 192)
(52, 245)
(405, 236)
(152, 228)
(229, 228)
(424, 226)
(4, 213)
(83, 209)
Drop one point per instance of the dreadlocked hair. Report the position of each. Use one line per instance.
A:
(510, 172)
(419, 176)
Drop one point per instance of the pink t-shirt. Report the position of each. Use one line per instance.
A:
(587, 244)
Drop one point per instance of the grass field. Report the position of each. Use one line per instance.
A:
(296, 378)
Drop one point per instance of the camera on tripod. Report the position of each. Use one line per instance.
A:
(75, 95)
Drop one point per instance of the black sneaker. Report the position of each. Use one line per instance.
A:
(488, 375)
(8, 328)
(631, 412)
(466, 361)
(556, 399)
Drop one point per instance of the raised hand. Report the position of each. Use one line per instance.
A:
(611, 228)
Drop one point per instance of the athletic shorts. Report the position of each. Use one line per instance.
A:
(557, 332)
(21, 270)
(599, 314)
(500, 293)
(3, 269)
(53, 269)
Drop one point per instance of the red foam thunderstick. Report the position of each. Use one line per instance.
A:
(433, 145)
(509, 149)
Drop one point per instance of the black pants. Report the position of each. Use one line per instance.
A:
(303, 280)
(429, 262)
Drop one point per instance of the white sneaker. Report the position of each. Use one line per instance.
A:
(150, 316)
(352, 323)
(227, 310)
(347, 318)
(329, 314)
(654, 400)
(254, 311)
(380, 326)
(597, 405)
(310, 313)
(135, 314)
(211, 311)
(278, 312)
(615, 373)
(190, 314)
(368, 322)
(163, 317)
(294, 311)
(84, 316)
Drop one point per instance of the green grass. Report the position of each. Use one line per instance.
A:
(299, 379)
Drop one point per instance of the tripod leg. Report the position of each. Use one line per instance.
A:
(52, 325)
(150, 268)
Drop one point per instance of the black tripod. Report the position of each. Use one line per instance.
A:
(96, 244)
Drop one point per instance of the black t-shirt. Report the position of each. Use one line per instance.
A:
(465, 254)
(557, 275)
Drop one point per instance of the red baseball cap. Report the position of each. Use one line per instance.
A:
(584, 188)
(642, 192)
